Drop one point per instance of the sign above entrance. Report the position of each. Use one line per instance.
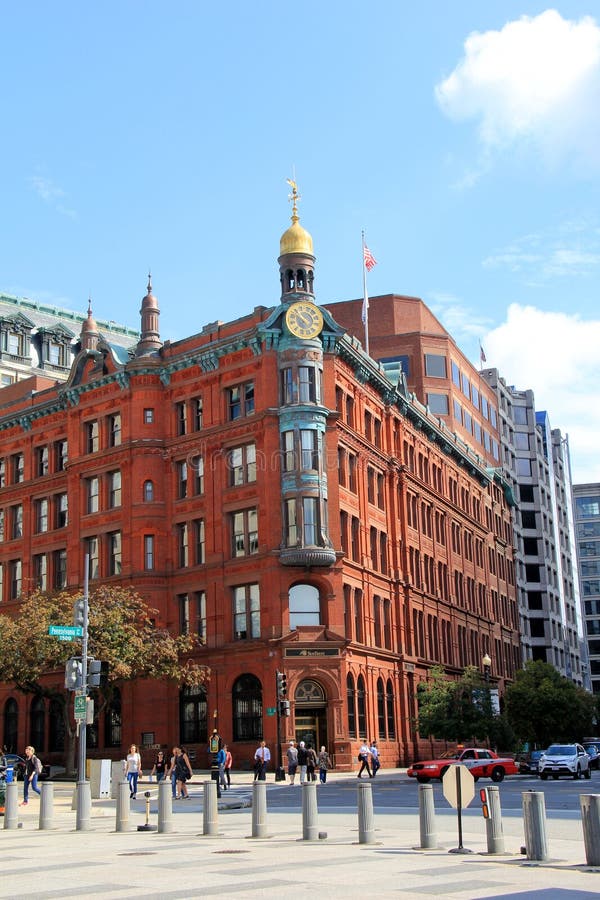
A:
(298, 651)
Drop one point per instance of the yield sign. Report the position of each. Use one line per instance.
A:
(459, 786)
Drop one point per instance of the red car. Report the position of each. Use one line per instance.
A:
(481, 763)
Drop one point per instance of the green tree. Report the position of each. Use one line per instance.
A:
(543, 706)
(455, 709)
(121, 632)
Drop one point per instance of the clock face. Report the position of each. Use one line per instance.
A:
(305, 320)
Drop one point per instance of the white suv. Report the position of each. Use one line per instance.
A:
(564, 759)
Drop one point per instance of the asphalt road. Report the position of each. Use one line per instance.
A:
(401, 793)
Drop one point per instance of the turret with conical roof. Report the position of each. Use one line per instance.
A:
(149, 341)
(296, 258)
(89, 331)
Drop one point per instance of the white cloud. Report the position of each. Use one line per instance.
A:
(556, 355)
(573, 251)
(537, 80)
(460, 321)
(51, 193)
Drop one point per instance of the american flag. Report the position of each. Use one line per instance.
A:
(482, 355)
(370, 261)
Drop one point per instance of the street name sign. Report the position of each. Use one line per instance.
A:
(65, 632)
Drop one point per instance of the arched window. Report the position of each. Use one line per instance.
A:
(351, 701)
(37, 723)
(113, 720)
(148, 491)
(11, 725)
(380, 709)
(305, 606)
(247, 709)
(193, 728)
(391, 719)
(361, 707)
(56, 726)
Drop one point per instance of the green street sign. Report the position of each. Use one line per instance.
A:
(271, 710)
(80, 707)
(65, 632)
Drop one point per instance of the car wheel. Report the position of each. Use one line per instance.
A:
(497, 773)
(577, 774)
(475, 777)
(443, 772)
(543, 776)
(587, 773)
(422, 779)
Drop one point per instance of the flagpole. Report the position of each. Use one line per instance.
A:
(365, 295)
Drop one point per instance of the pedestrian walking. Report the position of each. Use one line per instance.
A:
(261, 758)
(311, 763)
(302, 761)
(33, 768)
(172, 775)
(292, 761)
(228, 764)
(375, 764)
(324, 764)
(220, 761)
(183, 773)
(364, 755)
(133, 770)
(160, 767)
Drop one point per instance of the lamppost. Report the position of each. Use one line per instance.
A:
(487, 666)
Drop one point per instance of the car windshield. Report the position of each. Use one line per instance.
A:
(561, 750)
(450, 754)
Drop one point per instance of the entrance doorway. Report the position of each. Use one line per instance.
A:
(311, 727)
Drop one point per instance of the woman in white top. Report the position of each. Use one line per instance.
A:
(133, 770)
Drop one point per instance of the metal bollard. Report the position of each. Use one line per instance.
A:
(427, 818)
(122, 820)
(165, 807)
(210, 812)
(84, 806)
(310, 827)
(493, 825)
(259, 809)
(46, 806)
(534, 816)
(590, 819)
(11, 805)
(366, 820)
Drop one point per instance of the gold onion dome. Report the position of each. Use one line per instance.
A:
(296, 239)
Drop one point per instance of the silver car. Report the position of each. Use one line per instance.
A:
(564, 759)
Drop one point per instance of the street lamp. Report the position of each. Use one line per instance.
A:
(487, 665)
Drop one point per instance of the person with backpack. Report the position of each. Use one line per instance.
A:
(33, 768)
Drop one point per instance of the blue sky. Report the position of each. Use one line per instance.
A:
(463, 137)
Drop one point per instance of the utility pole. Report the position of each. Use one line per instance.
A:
(84, 798)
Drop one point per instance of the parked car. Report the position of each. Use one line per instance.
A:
(481, 763)
(593, 751)
(564, 759)
(528, 762)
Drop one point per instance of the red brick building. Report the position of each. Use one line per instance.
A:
(267, 485)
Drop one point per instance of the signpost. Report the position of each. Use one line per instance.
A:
(65, 632)
(80, 707)
(459, 789)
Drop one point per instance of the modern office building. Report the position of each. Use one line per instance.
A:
(267, 485)
(586, 498)
(536, 463)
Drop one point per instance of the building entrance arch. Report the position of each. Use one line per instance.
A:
(310, 719)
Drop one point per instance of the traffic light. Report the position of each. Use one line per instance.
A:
(284, 707)
(79, 612)
(94, 672)
(74, 674)
(281, 685)
(485, 804)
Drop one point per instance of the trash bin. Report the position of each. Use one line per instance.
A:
(9, 775)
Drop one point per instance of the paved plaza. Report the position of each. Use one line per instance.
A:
(100, 862)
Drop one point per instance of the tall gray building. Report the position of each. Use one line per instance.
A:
(536, 464)
(586, 499)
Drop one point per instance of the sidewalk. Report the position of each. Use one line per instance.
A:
(186, 864)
